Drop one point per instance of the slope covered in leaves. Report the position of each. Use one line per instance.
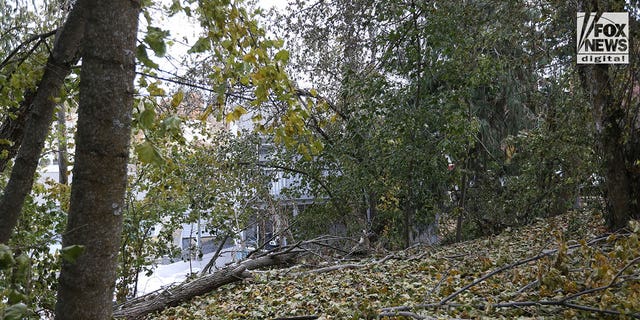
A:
(563, 267)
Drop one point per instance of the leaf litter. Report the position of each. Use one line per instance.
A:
(564, 267)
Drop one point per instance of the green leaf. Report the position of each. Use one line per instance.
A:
(175, 7)
(16, 312)
(304, 151)
(71, 253)
(6, 257)
(282, 56)
(143, 81)
(145, 13)
(15, 296)
(147, 118)
(202, 45)
(148, 153)
(316, 147)
(227, 44)
(172, 124)
(22, 266)
(249, 58)
(155, 39)
(141, 54)
(261, 93)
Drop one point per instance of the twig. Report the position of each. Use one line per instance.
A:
(418, 257)
(526, 287)
(402, 314)
(212, 262)
(326, 245)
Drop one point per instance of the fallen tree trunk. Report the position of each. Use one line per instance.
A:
(173, 296)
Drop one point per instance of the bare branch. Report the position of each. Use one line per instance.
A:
(403, 314)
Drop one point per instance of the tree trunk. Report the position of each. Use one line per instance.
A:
(38, 122)
(86, 286)
(612, 124)
(138, 308)
(616, 180)
(63, 177)
(461, 202)
(609, 117)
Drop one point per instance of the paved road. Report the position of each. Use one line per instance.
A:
(167, 274)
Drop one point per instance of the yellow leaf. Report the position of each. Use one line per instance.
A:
(155, 90)
(249, 58)
(510, 151)
(236, 114)
(177, 99)
(207, 111)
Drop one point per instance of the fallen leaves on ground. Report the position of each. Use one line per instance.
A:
(562, 267)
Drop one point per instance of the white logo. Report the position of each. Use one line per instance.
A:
(603, 38)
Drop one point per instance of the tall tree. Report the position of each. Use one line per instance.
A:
(40, 115)
(613, 94)
(87, 283)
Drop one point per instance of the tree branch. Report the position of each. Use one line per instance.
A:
(294, 170)
(307, 93)
(17, 49)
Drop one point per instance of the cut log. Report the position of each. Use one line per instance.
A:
(139, 307)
